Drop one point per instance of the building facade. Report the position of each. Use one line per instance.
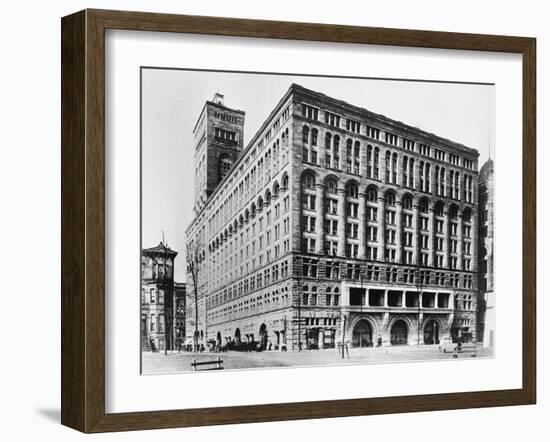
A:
(162, 301)
(486, 304)
(336, 224)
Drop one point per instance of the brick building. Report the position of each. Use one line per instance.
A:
(162, 301)
(333, 224)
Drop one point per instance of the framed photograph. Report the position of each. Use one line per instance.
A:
(266, 221)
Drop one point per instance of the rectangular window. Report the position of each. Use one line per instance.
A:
(331, 206)
(352, 209)
(408, 144)
(372, 233)
(424, 259)
(372, 213)
(353, 126)
(372, 132)
(424, 241)
(352, 230)
(391, 139)
(310, 112)
(424, 221)
(332, 119)
(372, 253)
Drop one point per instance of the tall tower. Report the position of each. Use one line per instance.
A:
(218, 142)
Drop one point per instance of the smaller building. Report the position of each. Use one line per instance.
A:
(180, 294)
(162, 301)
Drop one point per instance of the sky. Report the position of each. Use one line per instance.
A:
(173, 99)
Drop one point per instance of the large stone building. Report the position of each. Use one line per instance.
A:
(334, 224)
(486, 305)
(162, 301)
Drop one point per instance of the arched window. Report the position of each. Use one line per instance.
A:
(352, 190)
(224, 166)
(428, 183)
(390, 198)
(453, 212)
(276, 190)
(357, 157)
(411, 173)
(349, 155)
(314, 134)
(305, 134)
(328, 140)
(407, 202)
(332, 187)
(336, 151)
(328, 150)
(394, 168)
(309, 181)
(405, 177)
(467, 215)
(439, 208)
(423, 205)
(285, 182)
(388, 170)
(376, 162)
(372, 194)
(369, 161)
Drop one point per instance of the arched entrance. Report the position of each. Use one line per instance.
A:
(362, 334)
(399, 333)
(238, 337)
(431, 332)
(263, 336)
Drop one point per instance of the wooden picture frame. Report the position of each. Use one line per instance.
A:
(83, 220)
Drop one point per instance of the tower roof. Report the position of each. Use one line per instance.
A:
(160, 249)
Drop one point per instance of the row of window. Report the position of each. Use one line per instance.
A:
(311, 267)
(234, 310)
(272, 159)
(352, 125)
(446, 183)
(267, 276)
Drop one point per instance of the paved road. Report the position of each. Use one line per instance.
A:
(178, 362)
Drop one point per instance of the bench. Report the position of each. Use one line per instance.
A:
(208, 364)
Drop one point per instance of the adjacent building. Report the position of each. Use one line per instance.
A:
(486, 305)
(335, 224)
(162, 301)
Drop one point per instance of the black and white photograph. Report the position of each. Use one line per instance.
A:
(304, 220)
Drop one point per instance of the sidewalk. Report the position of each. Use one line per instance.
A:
(178, 362)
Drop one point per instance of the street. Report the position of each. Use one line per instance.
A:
(153, 363)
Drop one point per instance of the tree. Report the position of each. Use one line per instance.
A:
(193, 264)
